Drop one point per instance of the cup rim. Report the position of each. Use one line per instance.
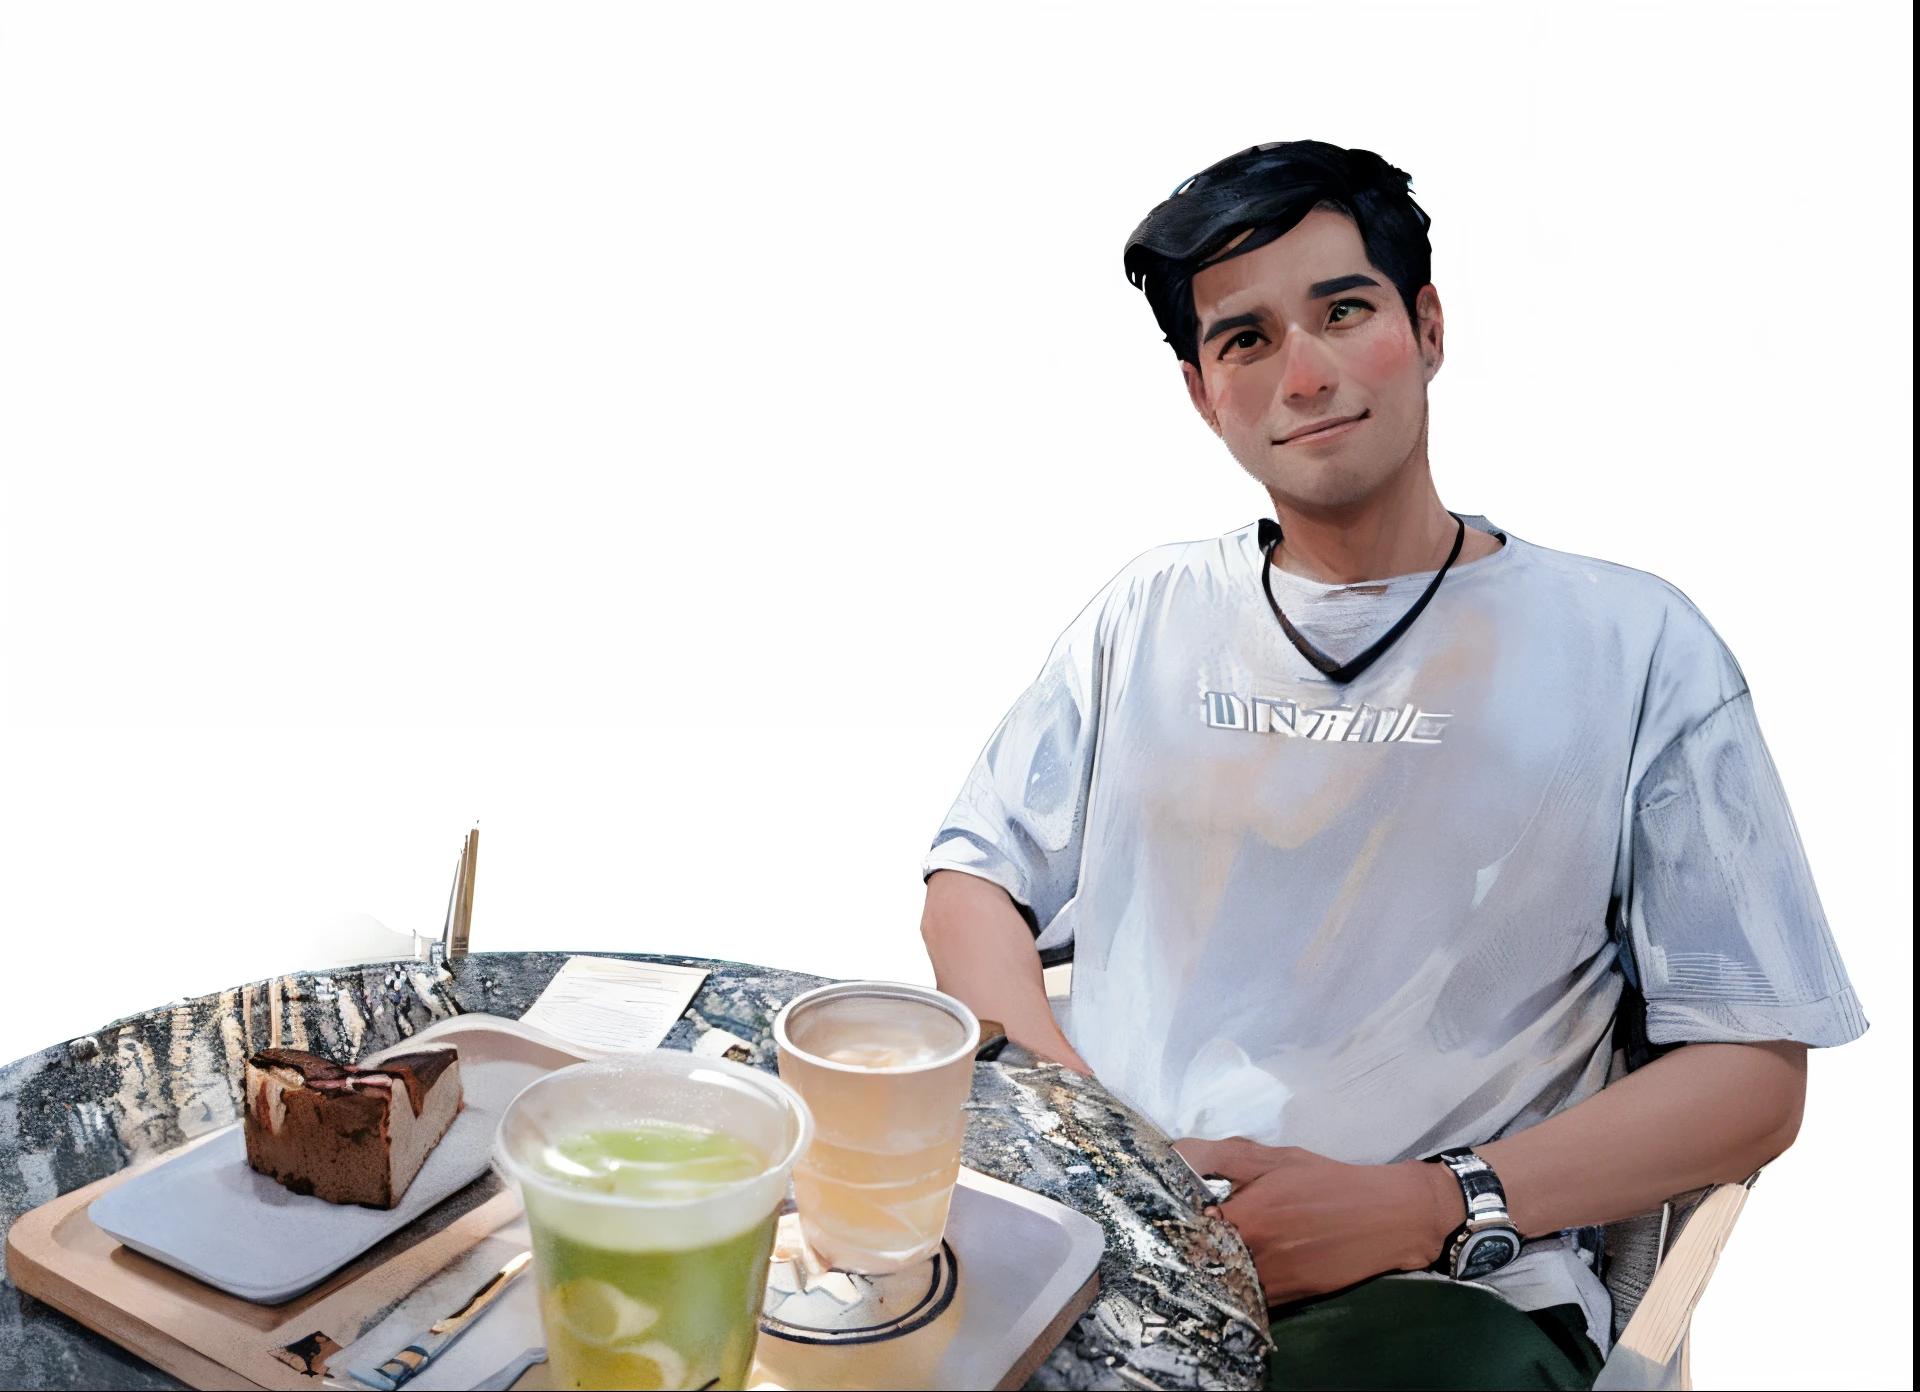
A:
(899, 990)
(664, 1061)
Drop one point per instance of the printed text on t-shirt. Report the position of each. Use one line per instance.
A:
(1364, 724)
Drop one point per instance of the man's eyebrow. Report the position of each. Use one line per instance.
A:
(1233, 321)
(1320, 289)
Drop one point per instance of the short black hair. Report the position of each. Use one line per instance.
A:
(1268, 189)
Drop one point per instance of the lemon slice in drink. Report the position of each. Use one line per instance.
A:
(647, 1366)
(601, 1315)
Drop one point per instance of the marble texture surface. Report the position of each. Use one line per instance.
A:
(1179, 1303)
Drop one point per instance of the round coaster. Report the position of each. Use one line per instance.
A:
(805, 1305)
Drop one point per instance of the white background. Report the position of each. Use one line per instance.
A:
(674, 440)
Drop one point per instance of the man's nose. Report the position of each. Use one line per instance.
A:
(1310, 372)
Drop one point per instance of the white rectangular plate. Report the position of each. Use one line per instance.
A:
(210, 1215)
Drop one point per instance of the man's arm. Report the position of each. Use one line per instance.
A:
(1703, 1114)
(983, 953)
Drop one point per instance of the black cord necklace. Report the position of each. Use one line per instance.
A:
(1344, 672)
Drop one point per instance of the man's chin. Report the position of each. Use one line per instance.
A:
(1329, 491)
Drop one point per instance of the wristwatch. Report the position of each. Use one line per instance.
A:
(1488, 1240)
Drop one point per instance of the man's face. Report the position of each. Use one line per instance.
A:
(1309, 367)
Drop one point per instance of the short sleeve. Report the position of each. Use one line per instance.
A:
(1727, 933)
(1019, 820)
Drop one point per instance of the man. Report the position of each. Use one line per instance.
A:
(1377, 833)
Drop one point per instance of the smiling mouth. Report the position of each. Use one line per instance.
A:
(1314, 432)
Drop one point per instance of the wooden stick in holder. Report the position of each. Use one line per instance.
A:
(460, 902)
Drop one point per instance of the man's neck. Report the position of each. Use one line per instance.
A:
(1399, 529)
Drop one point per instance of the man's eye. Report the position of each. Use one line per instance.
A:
(1246, 340)
(1348, 311)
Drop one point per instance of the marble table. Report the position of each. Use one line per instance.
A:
(1179, 1304)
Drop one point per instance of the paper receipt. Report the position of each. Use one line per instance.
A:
(610, 1006)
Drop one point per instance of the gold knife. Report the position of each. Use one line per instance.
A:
(395, 1372)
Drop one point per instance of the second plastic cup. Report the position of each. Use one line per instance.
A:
(652, 1184)
(885, 1069)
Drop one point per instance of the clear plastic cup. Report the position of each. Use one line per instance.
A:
(652, 1266)
(886, 1069)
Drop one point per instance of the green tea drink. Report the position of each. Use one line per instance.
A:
(652, 1183)
(661, 1318)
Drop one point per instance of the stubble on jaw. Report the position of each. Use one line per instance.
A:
(1337, 488)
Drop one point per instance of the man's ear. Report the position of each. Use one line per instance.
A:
(1197, 394)
(1430, 329)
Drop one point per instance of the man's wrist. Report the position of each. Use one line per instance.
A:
(1435, 1207)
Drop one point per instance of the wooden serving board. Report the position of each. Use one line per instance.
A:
(208, 1338)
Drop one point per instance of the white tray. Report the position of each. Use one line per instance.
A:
(208, 1214)
(1028, 1268)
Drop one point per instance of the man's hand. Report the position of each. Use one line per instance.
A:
(1316, 1225)
(1705, 1114)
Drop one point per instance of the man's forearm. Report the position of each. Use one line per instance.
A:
(1703, 1114)
(983, 953)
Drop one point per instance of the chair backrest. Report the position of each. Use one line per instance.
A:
(1632, 1250)
(1660, 1267)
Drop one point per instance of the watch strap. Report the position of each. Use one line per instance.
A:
(1466, 1253)
(1486, 1198)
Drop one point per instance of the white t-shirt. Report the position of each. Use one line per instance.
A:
(1387, 918)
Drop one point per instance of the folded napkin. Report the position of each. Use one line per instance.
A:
(494, 1350)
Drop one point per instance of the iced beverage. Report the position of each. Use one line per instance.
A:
(652, 1183)
(885, 1070)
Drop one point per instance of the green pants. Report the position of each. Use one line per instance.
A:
(1421, 1334)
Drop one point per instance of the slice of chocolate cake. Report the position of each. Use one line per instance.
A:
(345, 1134)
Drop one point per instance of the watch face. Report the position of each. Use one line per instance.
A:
(1486, 1252)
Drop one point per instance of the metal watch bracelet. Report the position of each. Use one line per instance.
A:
(1488, 1240)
